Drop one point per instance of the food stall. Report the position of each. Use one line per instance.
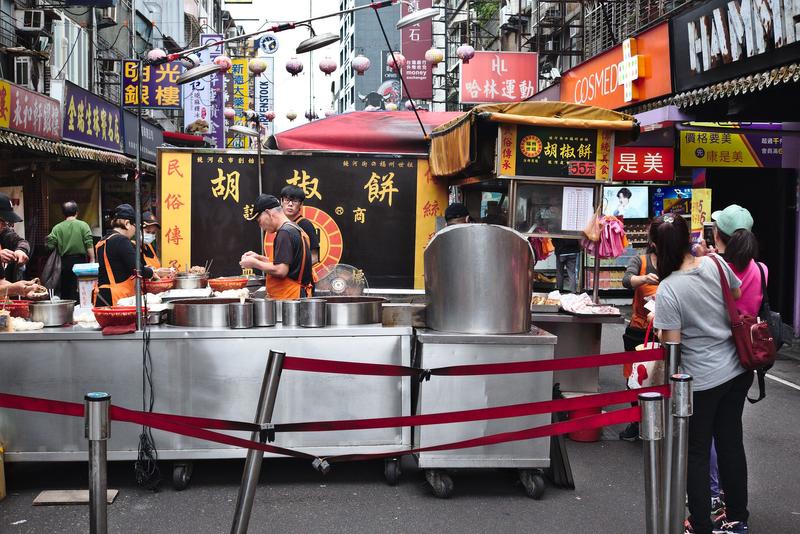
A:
(539, 168)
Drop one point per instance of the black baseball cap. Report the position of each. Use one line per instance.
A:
(266, 202)
(293, 192)
(148, 219)
(125, 211)
(7, 210)
(455, 211)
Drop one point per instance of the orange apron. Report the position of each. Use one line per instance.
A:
(150, 257)
(639, 315)
(118, 290)
(288, 288)
(314, 277)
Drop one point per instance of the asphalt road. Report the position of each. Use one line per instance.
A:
(354, 498)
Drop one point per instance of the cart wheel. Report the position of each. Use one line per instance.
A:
(533, 481)
(391, 470)
(440, 482)
(181, 476)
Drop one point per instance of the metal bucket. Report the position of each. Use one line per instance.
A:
(291, 312)
(343, 311)
(264, 312)
(52, 313)
(477, 278)
(312, 313)
(201, 312)
(240, 315)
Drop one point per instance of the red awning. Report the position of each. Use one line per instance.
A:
(376, 132)
(184, 139)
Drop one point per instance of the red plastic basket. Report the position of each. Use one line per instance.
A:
(116, 315)
(17, 308)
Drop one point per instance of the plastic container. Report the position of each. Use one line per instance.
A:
(86, 285)
(586, 436)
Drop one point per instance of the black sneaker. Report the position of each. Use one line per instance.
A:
(631, 433)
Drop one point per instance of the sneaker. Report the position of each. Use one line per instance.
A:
(732, 527)
(631, 433)
(687, 527)
(717, 511)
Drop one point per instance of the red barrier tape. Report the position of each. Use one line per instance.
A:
(294, 363)
(482, 414)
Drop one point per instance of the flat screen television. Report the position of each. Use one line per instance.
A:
(676, 200)
(628, 201)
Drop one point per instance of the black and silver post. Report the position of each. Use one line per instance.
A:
(651, 430)
(137, 198)
(97, 430)
(681, 402)
(672, 361)
(252, 465)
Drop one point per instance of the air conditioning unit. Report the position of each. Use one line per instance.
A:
(29, 20)
(23, 68)
(107, 17)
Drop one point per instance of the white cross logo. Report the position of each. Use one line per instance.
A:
(630, 69)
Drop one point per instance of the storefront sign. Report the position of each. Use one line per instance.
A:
(720, 39)
(555, 152)
(160, 89)
(203, 98)
(499, 77)
(416, 40)
(358, 205)
(265, 94)
(152, 137)
(701, 210)
(635, 71)
(644, 163)
(216, 92)
(732, 147)
(28, 112)
(239, 100)
(90, 119)
(387, 72)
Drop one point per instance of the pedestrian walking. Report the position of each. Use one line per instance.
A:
(72, 239)
(691, 310)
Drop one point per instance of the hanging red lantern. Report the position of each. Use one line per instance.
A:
(269, 115)
(465, 52)
(229, 113)
(156, 54)
(294, 66)
(327, 65)
(434, 56)
(224, 63)
(360, 64)
(395, 61)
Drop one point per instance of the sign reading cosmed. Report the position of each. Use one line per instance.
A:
(90, 119)
(637, 70)
(555, 152)
(499, 77)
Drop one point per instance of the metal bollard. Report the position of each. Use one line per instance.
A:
(681, 402)
(252, 466)
(652, 432)
(671, 364)
(97, 430)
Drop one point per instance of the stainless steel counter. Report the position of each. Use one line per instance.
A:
(572, 318)
(208, 372)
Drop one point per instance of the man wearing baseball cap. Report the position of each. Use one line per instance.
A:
(14, 250)
(456, 213)
(289, 273)
(7, 219)
(150, 229)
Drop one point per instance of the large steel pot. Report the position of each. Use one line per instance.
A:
(343, 311)
(477, 278)
(312, 312)
(55, 313)
(290, 312)
(201, 312)
(191, 281)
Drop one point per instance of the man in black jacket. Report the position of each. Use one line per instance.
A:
(14, 250)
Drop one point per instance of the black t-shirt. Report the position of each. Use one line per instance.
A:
(121, 254)
(309, 228)
(288, 247)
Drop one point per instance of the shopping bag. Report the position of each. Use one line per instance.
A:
(646, 374)
(51, 273)
(594, 226)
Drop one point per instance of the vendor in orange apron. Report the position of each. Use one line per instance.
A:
(116, 255)
(150, 229)
(289, 273)
(292, 200)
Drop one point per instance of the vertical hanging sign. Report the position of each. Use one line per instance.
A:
(239, 99)
(265, 82)
(415, 41)
(216, 91)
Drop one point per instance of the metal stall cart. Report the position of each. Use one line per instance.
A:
(477, 279)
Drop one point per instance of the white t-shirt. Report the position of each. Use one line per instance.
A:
(692, 302)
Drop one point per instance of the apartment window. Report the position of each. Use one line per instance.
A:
(70, 53)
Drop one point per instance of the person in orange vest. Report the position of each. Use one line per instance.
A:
(150, 229)
(289, 273)
(116, 255)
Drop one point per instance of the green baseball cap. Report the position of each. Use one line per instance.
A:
(733, 218)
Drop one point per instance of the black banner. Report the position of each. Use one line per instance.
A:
(556, 152)
(720, 40)
(223, 186)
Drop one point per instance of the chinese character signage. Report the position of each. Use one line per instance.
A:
(635, 71)
(91, 120)
(499, 77)
(416, 40)
(731, 147)
(555, 152)
(265, 94)
(203, 99)
(374, 213)
(720, 40)
(644, 163)
(28, 112)
(239, 99)
(216, 91)
(701, 210)
(160, 89)
(152, 137)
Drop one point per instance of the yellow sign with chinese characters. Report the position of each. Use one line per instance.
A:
(431, 203)
(176, 209)
(718, 149)
(5, 104)
(701, 210)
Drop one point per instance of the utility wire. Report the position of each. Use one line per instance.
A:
(66, 61)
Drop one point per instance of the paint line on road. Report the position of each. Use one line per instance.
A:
(784, 382)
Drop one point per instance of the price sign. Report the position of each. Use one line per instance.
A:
(581, 168)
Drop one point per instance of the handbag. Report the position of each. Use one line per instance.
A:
(751, 335)
(773, 318)
(51, 272)
(646, 374)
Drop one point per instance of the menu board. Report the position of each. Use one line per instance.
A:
(576, 208)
